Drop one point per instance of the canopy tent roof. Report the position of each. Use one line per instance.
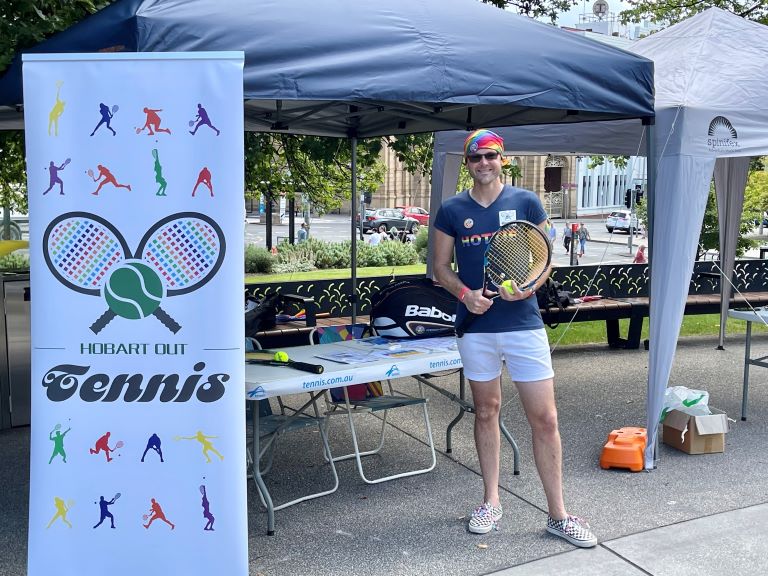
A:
(349, 68)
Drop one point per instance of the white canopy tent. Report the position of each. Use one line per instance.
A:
(711, 117)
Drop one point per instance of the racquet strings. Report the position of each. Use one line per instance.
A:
(183, 251)
(519, 253)
(83, 251)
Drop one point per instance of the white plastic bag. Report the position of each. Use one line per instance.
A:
(693, 402)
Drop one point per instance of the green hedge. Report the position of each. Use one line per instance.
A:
(316, 254)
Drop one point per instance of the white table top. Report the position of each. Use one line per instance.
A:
(759, 315)
(371, 359)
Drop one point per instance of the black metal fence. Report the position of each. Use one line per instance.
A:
(611, 280)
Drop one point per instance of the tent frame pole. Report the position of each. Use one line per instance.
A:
(651, 167)
(353, 200)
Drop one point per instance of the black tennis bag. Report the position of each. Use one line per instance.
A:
(414, 308)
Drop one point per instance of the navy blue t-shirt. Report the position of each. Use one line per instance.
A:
(472, 225)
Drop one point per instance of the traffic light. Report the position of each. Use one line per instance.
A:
(628, 198)
(367, 196)
(639, 197)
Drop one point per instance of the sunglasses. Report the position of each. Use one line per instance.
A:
(475, 158)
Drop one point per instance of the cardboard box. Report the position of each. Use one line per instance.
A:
(696, 434)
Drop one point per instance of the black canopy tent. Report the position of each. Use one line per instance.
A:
(357, 69)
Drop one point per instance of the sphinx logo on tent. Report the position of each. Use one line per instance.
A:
(722, 135)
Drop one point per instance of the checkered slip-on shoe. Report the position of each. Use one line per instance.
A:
(574, 529)
(484, 518)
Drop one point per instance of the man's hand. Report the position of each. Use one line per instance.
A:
(478, 301)
(510, 292)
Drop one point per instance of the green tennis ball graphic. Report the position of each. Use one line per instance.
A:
(133, 291)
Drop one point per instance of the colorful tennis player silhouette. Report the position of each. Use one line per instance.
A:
(104, 512)
(61, 511)
(207, 509)
(106, 117)
(153, 444)
(108, 179)
(53, 173)
(57, 437)
(202, 119)
(159, 174)
(102, 445)
(56, 111)
(203, 178)
(152, 124)
(156, 513)
(204, 440)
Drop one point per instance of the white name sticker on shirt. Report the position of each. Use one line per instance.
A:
(506, 216)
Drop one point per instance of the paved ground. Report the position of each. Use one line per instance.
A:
(692, 515)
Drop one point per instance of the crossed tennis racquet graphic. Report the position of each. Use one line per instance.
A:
(177, 255)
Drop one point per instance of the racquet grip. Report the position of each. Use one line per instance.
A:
(102, 321)
(306, 367)
(465, 323)
(167, 321)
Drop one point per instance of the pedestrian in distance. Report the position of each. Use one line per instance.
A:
(508, 329)
(583, 235)
(303, 233)
(567, 236)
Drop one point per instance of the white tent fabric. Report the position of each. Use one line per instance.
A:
(711, 96)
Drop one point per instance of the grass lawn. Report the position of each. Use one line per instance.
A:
(697, 325)
(335, 274)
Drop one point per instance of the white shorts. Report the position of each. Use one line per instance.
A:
(526, 353)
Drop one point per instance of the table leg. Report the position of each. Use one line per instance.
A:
(745, 387)
(459, 416)
(260, 485)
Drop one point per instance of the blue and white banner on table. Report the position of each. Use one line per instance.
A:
(135, 181)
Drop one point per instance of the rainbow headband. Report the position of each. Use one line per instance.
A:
(483, 139)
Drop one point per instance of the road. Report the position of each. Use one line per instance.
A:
(604, 248)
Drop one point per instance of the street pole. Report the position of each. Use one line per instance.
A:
(631, 215)
(574, 240)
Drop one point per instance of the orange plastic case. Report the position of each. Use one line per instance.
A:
(624, 449)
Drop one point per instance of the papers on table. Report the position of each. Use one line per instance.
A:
(378, 348)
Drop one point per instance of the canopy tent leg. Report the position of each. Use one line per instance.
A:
(353, 200)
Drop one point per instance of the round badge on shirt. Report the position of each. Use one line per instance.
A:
(468, 223)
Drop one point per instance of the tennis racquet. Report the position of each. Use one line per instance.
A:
(268, 358)
(518, 252)
(90, 173)
(191, 123)
(119, 445)
(116, 497)
(66, 162)
(115, 108)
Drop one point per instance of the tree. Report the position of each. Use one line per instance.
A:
(709, 238)
(669, 12)
(756, 197)
(318, 168)
(535, 8)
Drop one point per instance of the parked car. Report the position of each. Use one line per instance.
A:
(619, 220)
(369, 215)
(415, 212)
(390, 218)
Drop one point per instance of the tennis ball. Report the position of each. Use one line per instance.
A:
(281, 356)
(133, 291)
(508, 285)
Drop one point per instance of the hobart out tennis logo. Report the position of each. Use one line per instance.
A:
(177, 255)
(722, 135)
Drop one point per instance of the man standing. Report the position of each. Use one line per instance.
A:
(509, 329)
(303, 233)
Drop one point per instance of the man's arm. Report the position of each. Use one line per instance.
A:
(448, 279)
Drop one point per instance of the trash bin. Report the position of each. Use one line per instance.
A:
(15, 351)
